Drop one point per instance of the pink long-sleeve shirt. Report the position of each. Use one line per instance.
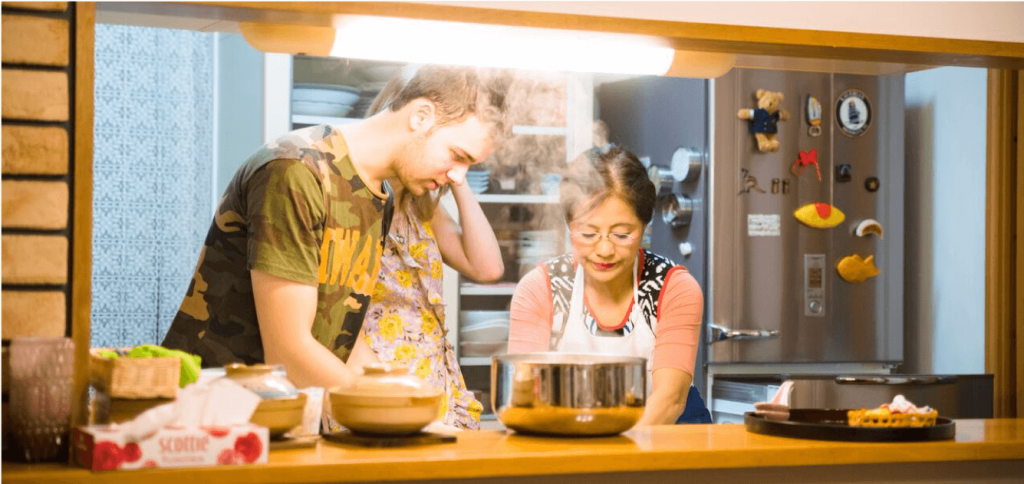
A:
(680, 307)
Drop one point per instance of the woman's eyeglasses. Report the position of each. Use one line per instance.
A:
(590, 239)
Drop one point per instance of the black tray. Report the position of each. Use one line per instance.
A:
(831, 424)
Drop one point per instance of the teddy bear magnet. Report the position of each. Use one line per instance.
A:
(764, 120)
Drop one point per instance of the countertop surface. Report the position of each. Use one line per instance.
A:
(489, 453)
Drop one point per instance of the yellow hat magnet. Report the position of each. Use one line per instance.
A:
(855, 269)
(819, 215)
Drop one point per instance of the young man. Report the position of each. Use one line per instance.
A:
(291, 259)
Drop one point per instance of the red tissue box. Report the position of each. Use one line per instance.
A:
(104, 447)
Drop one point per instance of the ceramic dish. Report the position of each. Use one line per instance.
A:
(386, 400)
(279, 415)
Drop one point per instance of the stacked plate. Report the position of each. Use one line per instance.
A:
(483, 333)
(479, 180)
(534, 247)
(323, 99)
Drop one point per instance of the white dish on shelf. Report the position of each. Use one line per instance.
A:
(482, 349)
(331, 96)
(320, 109)
(492, 333)
(469, 319)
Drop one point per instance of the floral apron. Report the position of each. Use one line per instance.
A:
(405, 322)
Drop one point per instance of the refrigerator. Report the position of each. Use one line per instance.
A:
(776, 303)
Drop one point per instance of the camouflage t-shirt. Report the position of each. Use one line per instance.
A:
(296, 209)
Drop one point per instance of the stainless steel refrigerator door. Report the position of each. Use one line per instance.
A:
(777, 297)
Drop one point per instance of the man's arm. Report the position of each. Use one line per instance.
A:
(470, 246)
(285, 310)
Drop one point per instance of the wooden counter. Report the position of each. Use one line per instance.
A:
(990, 450)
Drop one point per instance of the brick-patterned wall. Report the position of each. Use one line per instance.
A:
(38, 171)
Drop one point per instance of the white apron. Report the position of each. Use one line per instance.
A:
(569, 333)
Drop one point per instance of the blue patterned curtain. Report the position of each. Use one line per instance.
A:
(152, 170)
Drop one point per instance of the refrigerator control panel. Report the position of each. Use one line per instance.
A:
(814, 285)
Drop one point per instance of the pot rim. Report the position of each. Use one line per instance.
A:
(569, 359)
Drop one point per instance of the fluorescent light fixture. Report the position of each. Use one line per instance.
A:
(455, 43)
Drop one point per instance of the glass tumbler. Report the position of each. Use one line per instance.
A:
(42, 379)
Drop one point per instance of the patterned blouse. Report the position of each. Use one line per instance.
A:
(405, 322)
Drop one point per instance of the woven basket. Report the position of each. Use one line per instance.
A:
(135, 377)
(861, 418)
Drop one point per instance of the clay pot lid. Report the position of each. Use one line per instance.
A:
(388, 380)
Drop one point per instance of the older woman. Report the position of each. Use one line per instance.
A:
(611, 296)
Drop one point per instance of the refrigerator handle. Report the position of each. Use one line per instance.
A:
(719, 333)
(895, 380)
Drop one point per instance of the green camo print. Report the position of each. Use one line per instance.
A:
(314, 222)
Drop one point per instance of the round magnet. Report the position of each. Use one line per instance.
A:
(872, 184)
(853, 112)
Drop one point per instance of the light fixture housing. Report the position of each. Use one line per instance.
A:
(458, 43)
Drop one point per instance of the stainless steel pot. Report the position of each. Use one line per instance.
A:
(568, 394)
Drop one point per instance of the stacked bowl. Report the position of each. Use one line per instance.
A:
(323, 99)
(478, 180)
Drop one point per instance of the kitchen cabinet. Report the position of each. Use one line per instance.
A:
(551, 117)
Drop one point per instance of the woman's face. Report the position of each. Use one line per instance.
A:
(606, 241)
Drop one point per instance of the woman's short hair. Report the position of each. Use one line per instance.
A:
(599, 174)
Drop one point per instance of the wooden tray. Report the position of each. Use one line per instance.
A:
(831, 424)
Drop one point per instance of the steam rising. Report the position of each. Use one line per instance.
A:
(532, 163)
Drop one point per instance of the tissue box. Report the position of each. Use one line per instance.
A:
(104, 447)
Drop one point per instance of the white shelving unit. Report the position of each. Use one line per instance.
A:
(578, 137)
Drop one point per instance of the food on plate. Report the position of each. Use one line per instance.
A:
(899, 413)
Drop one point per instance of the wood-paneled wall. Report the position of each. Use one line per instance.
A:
(1004, 242)
(47, 175)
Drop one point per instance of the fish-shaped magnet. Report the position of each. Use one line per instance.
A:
(869, 226)
(855, 269)
(819, 215)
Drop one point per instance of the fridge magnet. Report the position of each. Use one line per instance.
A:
(869, 226)
(765, 118)
(855, 269)
(805, 158)
(844, 173)
(853, 112)
(749, 182)
(813, 117)
(872, 184)
(780, 185)
(819, 215)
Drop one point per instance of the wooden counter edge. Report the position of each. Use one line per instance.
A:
(1006, 443)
